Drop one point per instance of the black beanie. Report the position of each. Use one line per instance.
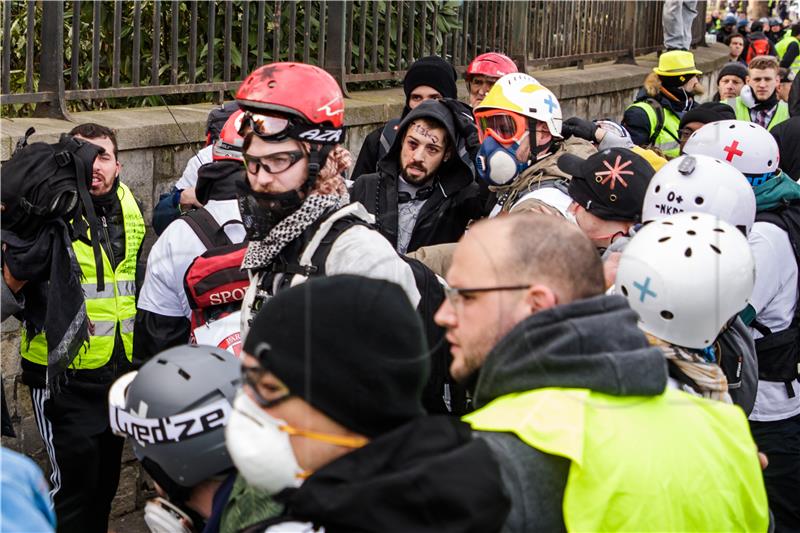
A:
(734, 68)
(708, 112)
(432, 71)
(352, 347)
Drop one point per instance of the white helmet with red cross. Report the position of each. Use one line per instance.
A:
(745, 145)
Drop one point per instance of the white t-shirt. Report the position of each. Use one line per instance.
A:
(173, 252)
(774, 299)
(189, 177)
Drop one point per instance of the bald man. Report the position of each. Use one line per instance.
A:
(568, 391)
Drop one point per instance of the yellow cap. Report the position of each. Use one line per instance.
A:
(676, 63)
(655, 160)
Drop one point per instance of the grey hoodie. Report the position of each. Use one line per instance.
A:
(590, 344)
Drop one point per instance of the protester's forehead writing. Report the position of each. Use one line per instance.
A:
(430, 134)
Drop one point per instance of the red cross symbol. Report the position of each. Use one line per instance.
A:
(614, 174)
(732, 151)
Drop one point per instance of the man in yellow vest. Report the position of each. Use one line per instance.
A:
(72, 415)
(574, 402)
(788, 49)
(668, 92)
(758, 101)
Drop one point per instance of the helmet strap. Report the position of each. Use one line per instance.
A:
(316, 160)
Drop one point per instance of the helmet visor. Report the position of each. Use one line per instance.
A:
(505, 127)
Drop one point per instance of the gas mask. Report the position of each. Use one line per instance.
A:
(263, 211)
(496, 164)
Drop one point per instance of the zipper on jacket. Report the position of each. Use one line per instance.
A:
(110, 251)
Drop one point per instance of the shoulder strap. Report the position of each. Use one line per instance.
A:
(659, 110)
(388, 134)
(324, 249)
(206, 228)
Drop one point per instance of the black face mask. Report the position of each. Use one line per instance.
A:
(263, 211)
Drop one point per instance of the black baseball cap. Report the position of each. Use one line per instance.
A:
(609, 184)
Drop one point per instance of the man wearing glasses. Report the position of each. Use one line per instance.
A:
(573, 401)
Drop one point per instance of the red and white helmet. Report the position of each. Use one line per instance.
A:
(491, 64)
(686, 275)
(745, 145)
(293, 100)
(701, 184)
(229, 145)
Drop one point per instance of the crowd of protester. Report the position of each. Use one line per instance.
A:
(495, 318)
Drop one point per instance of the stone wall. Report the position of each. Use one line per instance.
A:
(154, 151)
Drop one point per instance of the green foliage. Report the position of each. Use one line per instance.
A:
(276, 19)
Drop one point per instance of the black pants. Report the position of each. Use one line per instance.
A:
(780, 441)
(84, 454)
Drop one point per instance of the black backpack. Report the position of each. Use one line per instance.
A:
(779, 352)
(43, 182)
(217, 118)
(442, 395)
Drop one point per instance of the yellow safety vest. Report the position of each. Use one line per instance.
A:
(743, 112)
(114, 305)
(667, 140)
(636, 460)
(781, 47)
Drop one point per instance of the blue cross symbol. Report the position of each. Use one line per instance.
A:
(551, 104)
(644, 289)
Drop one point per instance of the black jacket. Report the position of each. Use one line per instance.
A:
(635, 119)
(456, 197)
(429, 475)
(787, 134)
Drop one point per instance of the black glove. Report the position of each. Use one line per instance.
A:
(581, 128)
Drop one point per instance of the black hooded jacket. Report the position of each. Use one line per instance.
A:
(589, 344)
(456, 195)
(787, 134)
(429, 475)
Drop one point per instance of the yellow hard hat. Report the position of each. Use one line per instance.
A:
(676, 63)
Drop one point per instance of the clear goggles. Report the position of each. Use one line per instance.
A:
(503, 126)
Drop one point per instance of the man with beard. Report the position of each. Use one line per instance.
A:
(668, 92)
(424, 191)
(70, 408)
(758, 102)
(294, 195)
(574, 402)
(428, 78)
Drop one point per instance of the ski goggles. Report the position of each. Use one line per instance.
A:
(278, 128)
(503, 126)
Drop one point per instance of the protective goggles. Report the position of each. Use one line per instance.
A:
(273, 163)
(503, 126)
(278, 128)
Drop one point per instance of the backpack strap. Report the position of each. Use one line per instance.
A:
(659, 111)
(205, 226)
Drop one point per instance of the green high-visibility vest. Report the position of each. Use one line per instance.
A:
(743, 112)
(668, 138)
(781, 47)
(116, 304)
(673, 462)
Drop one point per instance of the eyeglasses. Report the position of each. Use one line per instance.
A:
(251, 377)
(273, 163)
(455, 295)
(505, 127)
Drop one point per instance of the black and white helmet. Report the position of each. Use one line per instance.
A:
(174, 411)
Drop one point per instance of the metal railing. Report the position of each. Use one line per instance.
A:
(92, 50)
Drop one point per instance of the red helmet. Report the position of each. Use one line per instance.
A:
(492, 64)
(229, 144)
(307, 94)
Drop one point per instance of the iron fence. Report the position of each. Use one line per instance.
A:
(91, 50)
